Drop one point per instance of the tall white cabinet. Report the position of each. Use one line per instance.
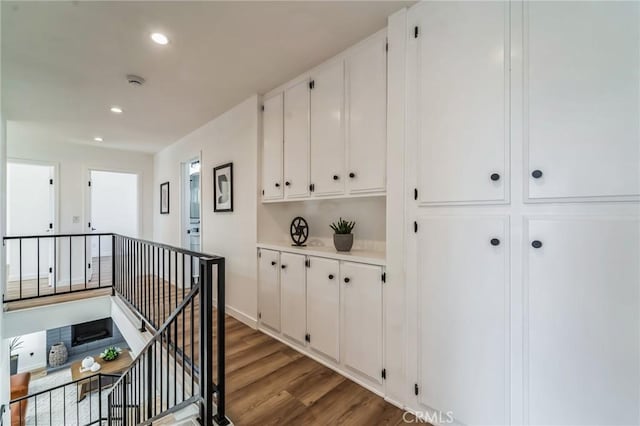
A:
(296, 141)
(522, 215)
(272, 150)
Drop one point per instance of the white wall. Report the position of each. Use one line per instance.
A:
(231, 137)
(33, 353)
(74, 162)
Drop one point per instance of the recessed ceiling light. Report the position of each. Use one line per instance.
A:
(98, 139)
(160, 38)
(116, 110)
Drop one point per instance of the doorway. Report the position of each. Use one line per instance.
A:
(113, 207)
(190, 211)
(31, 207)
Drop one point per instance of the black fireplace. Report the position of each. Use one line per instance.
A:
(91, 331)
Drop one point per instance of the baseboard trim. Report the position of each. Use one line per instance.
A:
(242, 317)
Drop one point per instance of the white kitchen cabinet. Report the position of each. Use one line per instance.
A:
(582, 295)
(296, 141)
(582, 99)
(272, 148)
(294, 296)
(323, 306)
(269, 288)
(463, 310)
(362, 319)
(327, 135)
(366, 85)
(459, 59)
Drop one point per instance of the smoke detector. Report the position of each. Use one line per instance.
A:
(135, 80)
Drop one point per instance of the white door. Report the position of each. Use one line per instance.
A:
(323, 306)
(366, 73)
(461, 86)
(327, 136)
(583, 99)
(582, 294)
(269, 283)
(362, 319)
(463, 310)
(296, 141)
(272, 136)
(30, 211)
(294, 296)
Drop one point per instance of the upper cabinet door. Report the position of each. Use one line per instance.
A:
(582, 295)
(460, 59)
(272, 133)
(366, 75)
(582, 99)
(327, 135)
(362, 319)
(296, 141)
(269, 288)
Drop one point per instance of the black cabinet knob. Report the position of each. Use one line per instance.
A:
(495, 242)
(283, 266)
(277, 185)
(352, 175)
(495, 177)
(336, 177)
(273, 263)
(346, 280)
(330, 276)
(287, 183)
(537, 174)
(536, 244)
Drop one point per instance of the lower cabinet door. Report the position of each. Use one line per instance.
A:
(582, 324)
(323, 306)
(463, 312)
(362, 319)
(269, 288)
(294, 296)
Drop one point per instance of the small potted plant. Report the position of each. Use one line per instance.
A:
(14, 345)
(343, 238)
(111, 353)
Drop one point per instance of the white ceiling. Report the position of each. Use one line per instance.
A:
(64, 63)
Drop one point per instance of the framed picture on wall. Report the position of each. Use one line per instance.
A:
(223, 188)
(164, 198)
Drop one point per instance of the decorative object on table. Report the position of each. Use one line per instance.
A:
(223, 188)
(58, 355)
(299, 231)
(87, 363)
(14, 345)
(343, 238)
(95, 367)
(164, 198)
(111, 353)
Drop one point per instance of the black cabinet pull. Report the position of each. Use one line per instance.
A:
(283, 266)
(495, 177)
(273, 263)
(287, 183)
(352, 175)
(536, 244)
(277, 185)
(330, 276)
(537, 174)
(495, 242)
(346, 280)
(336, 177)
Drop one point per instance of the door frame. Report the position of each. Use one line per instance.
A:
(183, 215)
(56, 204)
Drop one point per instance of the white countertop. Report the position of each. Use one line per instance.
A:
(360, 256)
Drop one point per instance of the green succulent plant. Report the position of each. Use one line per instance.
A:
(111, 353)
(343, 226)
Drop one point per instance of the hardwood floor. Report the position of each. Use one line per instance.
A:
(268, 383)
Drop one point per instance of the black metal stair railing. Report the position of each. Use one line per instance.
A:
(62, 404)
(170, 289)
